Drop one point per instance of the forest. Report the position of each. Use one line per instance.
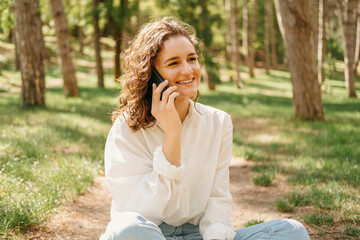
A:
(286, 71)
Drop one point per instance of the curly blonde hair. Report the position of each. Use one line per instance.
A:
(137, 64)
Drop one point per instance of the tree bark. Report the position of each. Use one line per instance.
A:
(357, 44)
(349, 22)
(63, 36)
(31, 55)
(273, 39)
(251, 39)
(229, 34)
(298, 32)
(245, 31)
(281, 26)
(321, 40)
(207, 38)
(267, 34)
(236, 43)
(17, 54)
(99, 68)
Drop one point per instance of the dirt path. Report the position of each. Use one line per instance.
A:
(87, 217)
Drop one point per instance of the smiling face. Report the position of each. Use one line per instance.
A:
(178, 63)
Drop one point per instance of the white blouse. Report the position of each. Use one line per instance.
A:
(142, 180)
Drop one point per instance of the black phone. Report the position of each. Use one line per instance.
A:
(157, 79)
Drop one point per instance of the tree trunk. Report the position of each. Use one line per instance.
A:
(245, 31)
(281, 26)
(81, 39)
(229, 36)
(349, 22)
(17, 57)
(321, 41)
(251, 41)
(31, 64)
(229, 31)
(99, 68)
(62, 33)
(298, 31)
(236, 44)
(357, 44)
(267, 34)
(117, 67)
(207, 38)
(272, 34)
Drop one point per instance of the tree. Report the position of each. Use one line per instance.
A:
(99, 68)
(298, 31)
(357, 44)
(321, 40)
(233, 41)
(245, 31)
(268, 19)
(349, 23)
(251, 38)
(205, 33)
(27, 26)
(272, 35)
(62, 33)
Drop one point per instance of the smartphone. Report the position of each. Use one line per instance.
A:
(157, 79)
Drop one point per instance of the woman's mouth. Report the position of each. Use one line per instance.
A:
(185, 81)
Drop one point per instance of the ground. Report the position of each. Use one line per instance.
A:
(87, 217)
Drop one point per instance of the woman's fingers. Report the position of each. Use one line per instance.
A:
(167, 93)
(157, 91)
(172, 97)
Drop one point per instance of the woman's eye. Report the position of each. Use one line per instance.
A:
(192, 59)
(173, 63)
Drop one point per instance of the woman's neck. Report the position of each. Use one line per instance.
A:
(182, 107)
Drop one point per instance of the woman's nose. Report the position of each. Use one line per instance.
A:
(186, 69)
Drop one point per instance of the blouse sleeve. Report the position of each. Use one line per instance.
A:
(216, 222)
(139, 180)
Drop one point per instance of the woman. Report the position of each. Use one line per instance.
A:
(167, 158)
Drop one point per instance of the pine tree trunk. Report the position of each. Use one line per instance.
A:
(349, 22)
(99, 68)
(206, 35)
(281, 26)
(321, 40)
(63, 36)
(267, 35)
(298, 31)
(245, 31)
(17, 57)
(357, 44)
(31, 64)
(117, 68)
(251, 40)
(229, 36)
(236, 43)
(273, 39)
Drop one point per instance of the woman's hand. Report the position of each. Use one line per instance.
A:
(164, 110)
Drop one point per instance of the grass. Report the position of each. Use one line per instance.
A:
(53, 153)
(321, 160)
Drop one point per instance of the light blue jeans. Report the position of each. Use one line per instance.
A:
(133, 226)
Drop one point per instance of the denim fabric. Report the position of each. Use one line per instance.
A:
(133, 226)
(187, 231)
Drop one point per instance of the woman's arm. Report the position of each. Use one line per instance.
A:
(140, 176)
(165, 113)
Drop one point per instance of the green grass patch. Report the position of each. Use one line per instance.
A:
(253, 222)
(319, 219)
(53, 153)
(284, 205)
